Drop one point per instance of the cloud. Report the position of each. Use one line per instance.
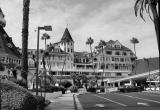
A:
(101, 19)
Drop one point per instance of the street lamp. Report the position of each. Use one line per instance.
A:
(46, 28)
(147, 60)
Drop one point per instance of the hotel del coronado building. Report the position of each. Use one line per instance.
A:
(64, 61)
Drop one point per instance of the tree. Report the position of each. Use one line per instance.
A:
(25, 24)
(152, 9)
(101, 46)
(45, 37)
(89, 42)
(134, 41)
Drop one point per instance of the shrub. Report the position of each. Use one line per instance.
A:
(74, 89)
(66, 84)
(91, 89)
(63, 89)
(14, 97)
(40, 102)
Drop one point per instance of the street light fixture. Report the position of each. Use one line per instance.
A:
(147, 60)
(46, 28)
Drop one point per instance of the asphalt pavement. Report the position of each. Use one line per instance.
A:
(120, 101)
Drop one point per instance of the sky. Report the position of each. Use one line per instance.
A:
(99, 19)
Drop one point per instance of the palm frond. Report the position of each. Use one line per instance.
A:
(136, 6)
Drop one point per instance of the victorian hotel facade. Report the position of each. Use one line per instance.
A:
(64, 61)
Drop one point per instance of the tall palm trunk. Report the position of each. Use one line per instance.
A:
(136, 57)
(25, 39)
(92, 58)
(156, 21)
(45, 43)
(63, 68)
(103, 66)
(135, 49)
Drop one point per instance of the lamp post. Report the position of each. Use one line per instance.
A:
(46, 28)
(147, 60)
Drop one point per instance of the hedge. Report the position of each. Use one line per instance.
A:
(15, 97)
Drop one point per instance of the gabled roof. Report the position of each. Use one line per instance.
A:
(6, 45)
(66, 36)
(110, 44)
(142, 65)
(55, 49)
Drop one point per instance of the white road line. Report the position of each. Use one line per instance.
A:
(141, 103)
(139, 98)
(111, 100)
(99, 105)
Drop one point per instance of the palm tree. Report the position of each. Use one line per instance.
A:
(134, 41)
(101, 46)
(26, 4)
(152, 9)
(89, 42)
(45, 37)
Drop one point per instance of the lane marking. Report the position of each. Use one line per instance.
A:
(99, 105)
(139, 98)
(111, 100)
(141, 103)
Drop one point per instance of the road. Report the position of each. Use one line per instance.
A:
(120, 101)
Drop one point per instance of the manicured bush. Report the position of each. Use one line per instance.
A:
(91, 89)
(15, 97)
(73, 89)
(63, 89)
(66, 84)
(40, 102)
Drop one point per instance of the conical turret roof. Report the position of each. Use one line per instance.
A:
(66, 36)
(6, 45)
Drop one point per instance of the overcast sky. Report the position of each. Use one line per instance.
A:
(100, 19)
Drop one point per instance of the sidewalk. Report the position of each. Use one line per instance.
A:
(65, 102)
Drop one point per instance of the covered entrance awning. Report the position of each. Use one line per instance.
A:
(142, 76)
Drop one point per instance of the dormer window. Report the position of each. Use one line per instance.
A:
(124, 53)
(117, 46)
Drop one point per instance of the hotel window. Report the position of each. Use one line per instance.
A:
(68, 49)
(107, 66)
(118, 74)
(117, 46)
(109, 52)
(131, 53)
(122, 59)
(102, 66)
(116, 59)
(116, 67)
(113, 59)
(117, 53)
(124, 53)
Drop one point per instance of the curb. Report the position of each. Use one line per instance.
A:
(150, 92)
(77, 104)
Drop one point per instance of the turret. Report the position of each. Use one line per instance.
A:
(67, 43)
